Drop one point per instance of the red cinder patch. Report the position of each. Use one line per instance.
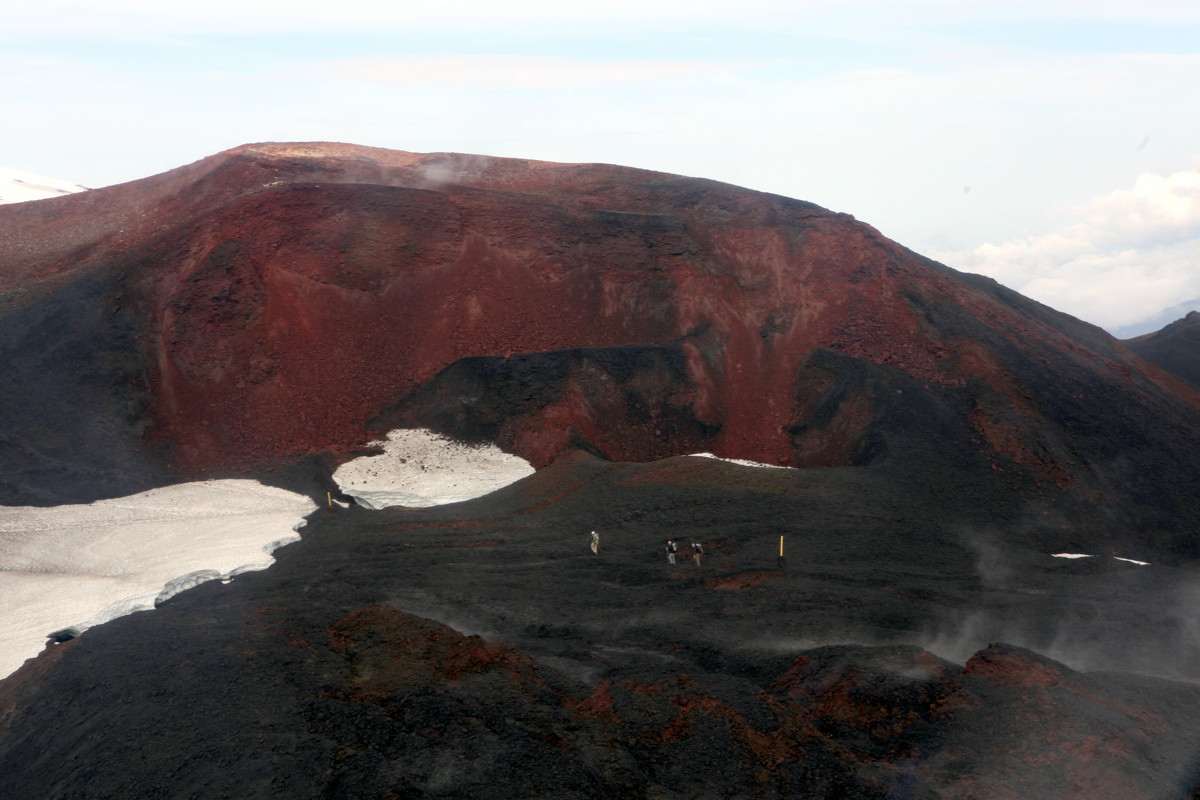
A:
(744, 580)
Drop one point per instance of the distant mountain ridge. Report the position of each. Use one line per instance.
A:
(1175, 348)
(1158, 321)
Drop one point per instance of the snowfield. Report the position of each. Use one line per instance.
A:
(420, 468)
(78, 566)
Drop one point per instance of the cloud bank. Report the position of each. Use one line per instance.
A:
(1121, 256)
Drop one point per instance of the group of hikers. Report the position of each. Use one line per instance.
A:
(672, 547)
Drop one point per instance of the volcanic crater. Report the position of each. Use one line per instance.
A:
(274, 310)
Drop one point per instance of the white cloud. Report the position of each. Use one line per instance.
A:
(1126, 255)
(513, 72)
(1157, 209)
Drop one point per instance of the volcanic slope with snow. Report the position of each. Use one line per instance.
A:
(82, 565)
(17, 186)
(549, 308)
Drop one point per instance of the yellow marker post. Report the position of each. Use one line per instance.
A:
(329, 499)
(781, 547)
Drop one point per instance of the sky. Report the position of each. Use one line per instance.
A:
(1053, 145)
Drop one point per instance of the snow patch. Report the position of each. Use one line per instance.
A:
(18, 187)
(419, 468)
(741, 461)
(1086, 555)
(100, 561)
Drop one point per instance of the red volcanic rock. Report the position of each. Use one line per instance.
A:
(278, 301)
(1015, 669)
(744, 580)
(1011, 724)
(389, 649)
(1053, 732)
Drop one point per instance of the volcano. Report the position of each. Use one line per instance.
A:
(274, 310)
(278, 302)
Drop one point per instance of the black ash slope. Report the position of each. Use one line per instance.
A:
(615, 675)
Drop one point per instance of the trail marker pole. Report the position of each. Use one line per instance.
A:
(780, 561)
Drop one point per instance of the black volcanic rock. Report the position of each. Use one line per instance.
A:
(480, 650)
(638, 401)
(74, 399)
(1176, 348)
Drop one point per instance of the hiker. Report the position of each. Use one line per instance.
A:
(671, 549)
(697, 551)
(595, 543)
